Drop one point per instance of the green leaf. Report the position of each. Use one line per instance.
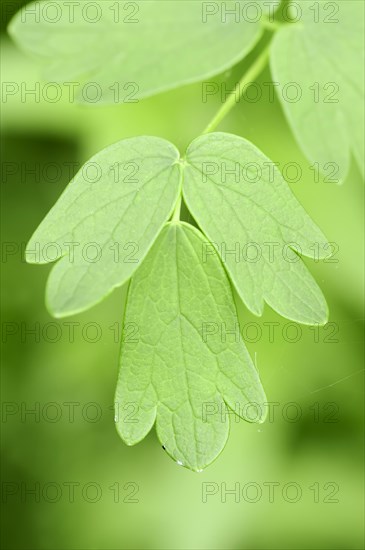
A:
(185, 366)
(242, 204)
(136, 49)
(106, 220)
(172, 373)
(323, 55)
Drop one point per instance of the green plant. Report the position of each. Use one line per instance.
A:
(128, 211)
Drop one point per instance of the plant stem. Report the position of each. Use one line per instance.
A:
(248, 77)
(252, 73)
(271, 25)
(176, 213)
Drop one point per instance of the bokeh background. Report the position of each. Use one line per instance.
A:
(90, 491)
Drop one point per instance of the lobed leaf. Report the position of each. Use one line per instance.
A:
(185, 366)
(323, 57)
(172, 374)
(106, 220)
(136, 49)
(245, 208)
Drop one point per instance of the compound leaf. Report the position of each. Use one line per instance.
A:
(130, 50)
(106, 220)
(177, 372)
(323, 57)
(248, 213)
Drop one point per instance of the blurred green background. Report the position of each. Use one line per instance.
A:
(90, 491)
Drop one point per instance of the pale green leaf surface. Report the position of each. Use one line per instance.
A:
(167, 45)
(136, 185)
(234, 211)
(171, 373)
(324, 52)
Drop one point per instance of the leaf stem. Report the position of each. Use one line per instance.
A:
(176, 213)
(271, 25)
(249, 76)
